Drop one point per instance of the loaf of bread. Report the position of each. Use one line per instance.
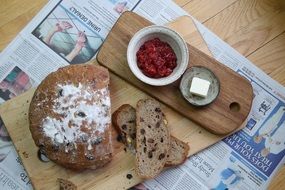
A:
(123, 120)
(70, 117)
(152, 138)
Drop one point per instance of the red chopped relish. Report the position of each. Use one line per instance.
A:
(156, 58)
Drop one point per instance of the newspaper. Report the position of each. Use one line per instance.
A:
(69, 32)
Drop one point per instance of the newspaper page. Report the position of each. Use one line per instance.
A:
(69, 32)
(248, 159)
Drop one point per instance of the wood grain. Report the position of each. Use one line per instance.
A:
(17, 8)
(203, 10)
(190, 34)
(216, 117)
(258, 23)
(278, 181)
(15, 16)
(181, 3)
(270, 58)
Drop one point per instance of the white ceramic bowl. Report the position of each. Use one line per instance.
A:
(164, 34)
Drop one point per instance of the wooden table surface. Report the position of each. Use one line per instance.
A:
(256, 28)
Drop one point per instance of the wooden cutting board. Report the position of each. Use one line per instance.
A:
(223, 116)
(113, 176)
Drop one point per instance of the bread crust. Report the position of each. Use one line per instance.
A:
(116, 114)
(186, 149)
(51, 118)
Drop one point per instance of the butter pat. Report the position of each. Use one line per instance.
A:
(199, 87)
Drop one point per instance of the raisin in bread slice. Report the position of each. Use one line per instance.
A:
(122, 120)
(152, 139)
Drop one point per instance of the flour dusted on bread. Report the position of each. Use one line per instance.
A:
(73, 104)
(70, 117)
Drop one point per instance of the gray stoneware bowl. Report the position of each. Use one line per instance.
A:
(203, 73)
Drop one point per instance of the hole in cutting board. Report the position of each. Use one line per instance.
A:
(234, 107)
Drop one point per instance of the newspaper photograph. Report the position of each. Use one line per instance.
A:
(67, 36)
(71, 32)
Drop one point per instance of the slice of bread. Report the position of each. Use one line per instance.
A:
(152, 138)
(122, 120)
(178, 152)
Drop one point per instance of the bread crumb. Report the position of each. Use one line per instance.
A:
(26, 155)
(65, 184)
